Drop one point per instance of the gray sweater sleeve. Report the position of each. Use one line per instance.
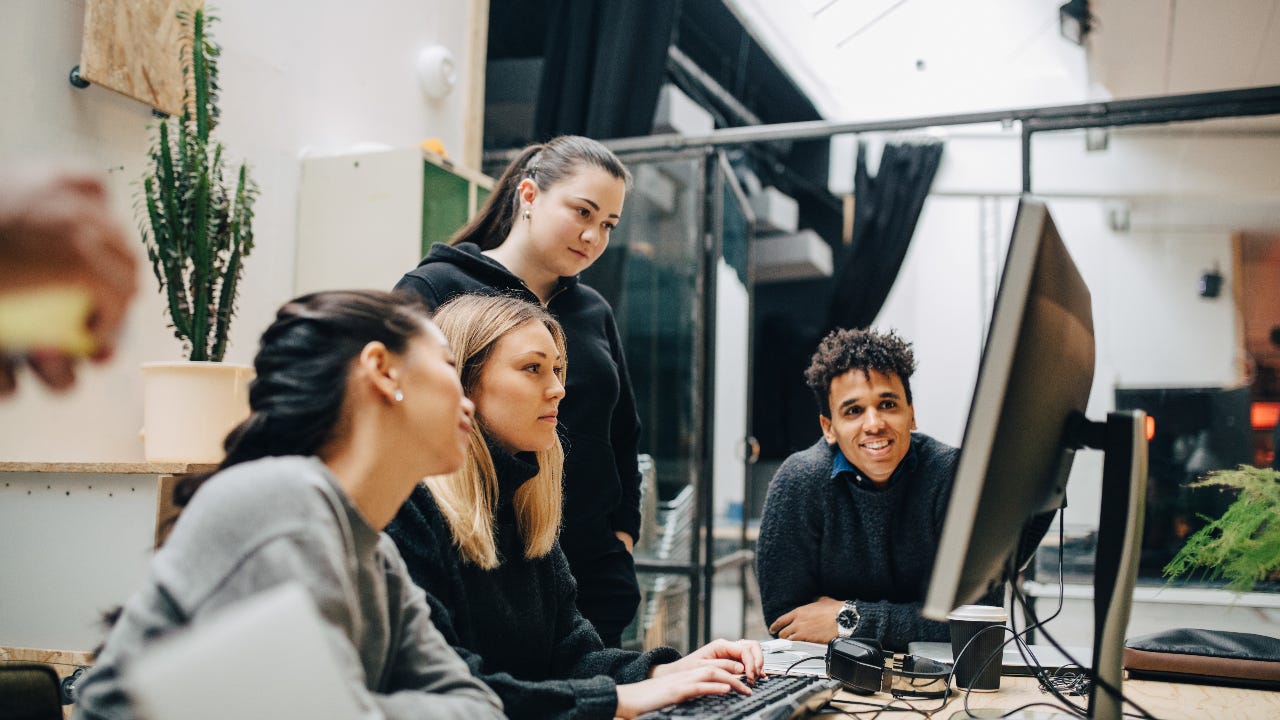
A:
(790, 535)
(424, 677)
(436, 682)
(896, 625)
(269, 525)
(431, 681)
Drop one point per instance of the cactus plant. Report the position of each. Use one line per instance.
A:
(196, 227)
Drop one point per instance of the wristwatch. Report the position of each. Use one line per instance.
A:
(847, 619)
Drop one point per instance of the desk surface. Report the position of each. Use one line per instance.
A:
(1167, 701)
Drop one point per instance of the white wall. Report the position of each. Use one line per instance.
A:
(297, 75)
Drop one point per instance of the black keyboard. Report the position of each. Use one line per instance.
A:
(776, 697)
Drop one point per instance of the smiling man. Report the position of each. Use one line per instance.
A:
(851, 524)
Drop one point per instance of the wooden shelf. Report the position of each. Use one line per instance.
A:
(108, 468)
(167, 476)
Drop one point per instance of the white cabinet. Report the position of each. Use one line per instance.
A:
(365, 219)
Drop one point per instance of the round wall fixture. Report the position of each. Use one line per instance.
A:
(437, 71)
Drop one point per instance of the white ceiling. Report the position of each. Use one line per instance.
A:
(866, 60)
(1161, 47)
(872, 59)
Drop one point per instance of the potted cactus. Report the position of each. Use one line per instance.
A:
(197, 226)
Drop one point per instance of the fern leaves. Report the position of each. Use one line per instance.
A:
(1242, 546)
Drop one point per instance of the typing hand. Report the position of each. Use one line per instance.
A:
(815, 622)
(741, 657)
(673, 687)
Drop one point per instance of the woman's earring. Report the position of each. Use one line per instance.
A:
(526, 213)
(398, 395)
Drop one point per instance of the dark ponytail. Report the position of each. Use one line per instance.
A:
(302, 364)
(545, 164)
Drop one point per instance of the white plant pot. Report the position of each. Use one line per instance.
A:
(189, 407)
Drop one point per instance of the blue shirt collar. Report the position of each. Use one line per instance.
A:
(841, 465)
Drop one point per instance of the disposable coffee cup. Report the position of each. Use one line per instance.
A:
(976, 638)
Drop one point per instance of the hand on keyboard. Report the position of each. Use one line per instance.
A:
(741, 657)
(774, 697)
(676, 686)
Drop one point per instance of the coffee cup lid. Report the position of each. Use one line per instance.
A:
(989, 613)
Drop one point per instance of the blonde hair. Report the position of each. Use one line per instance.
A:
(473, 325)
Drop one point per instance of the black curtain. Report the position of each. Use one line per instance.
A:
(603, 67)
(790, 318)
(784, 418)
(886, 209)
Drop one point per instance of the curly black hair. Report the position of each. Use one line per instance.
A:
(844, 350)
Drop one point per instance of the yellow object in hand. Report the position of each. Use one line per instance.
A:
(55, 318)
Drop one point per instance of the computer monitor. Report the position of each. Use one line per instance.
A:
(1025, 423)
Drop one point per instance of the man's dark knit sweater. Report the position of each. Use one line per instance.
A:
(598, 424)
(517, 625)
(839, 537)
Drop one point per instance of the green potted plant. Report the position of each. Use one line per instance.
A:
(197, 226)
(1243, 546)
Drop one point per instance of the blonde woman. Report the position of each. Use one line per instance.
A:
(482, 541)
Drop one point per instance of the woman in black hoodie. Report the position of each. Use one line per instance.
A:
(482, 541)
(548, 219)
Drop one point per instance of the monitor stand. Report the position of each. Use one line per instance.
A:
(1123, 440)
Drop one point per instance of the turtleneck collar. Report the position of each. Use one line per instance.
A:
(513, 472)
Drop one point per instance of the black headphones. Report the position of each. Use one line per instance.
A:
(862, 666)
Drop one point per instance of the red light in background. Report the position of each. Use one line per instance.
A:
(1151, 428)
(1263, 415)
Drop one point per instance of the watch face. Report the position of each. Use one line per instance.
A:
(846, 619)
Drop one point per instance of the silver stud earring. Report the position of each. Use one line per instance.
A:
(526, 213)
(398, 395)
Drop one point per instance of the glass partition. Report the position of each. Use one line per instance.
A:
(652, 274)
(731, 602)
(677, 276)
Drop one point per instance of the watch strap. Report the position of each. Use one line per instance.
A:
(848, 619)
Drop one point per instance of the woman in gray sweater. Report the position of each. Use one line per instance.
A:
(356, 399)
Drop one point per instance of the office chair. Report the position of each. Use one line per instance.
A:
(29, 691)
(664, 596)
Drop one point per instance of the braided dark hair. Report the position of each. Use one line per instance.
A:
(302, 364)
(844, 350)
(546, 164)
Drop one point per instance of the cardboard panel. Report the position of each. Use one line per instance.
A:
(134, 48)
